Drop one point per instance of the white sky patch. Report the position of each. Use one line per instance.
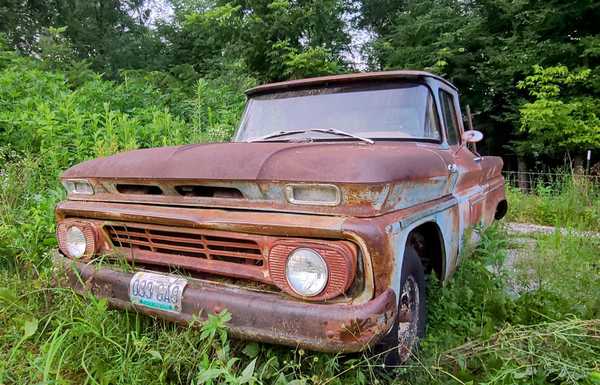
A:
(355, 55)
(158, 10)
(358, 39)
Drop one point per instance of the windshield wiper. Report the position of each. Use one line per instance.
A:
(332, 131)
(275, 134)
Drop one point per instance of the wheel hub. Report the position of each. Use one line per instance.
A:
(408, 318)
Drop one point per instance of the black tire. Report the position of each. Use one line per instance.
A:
(395, 352)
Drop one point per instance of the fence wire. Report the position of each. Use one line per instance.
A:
(547, 182)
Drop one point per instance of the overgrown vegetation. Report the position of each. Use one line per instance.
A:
(497, 52)
(533, 320)
(563, 201)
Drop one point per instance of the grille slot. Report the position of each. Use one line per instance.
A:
(192, 243)
(209, 191)
(138, 189)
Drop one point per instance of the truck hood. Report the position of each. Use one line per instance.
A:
(372, 179)
(295, 162)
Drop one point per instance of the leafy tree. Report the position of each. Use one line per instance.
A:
(274, 39)
(23, 20)
(204, 39)
(292, 63)
(556, 121)
(486, 47)
(110, 34)
(55, 50)
(301, 26)
(379, 15)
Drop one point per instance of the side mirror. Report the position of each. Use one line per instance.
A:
(472, 136)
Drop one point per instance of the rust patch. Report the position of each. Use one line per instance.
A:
(257, 316)
(363, 330)
(346, 78)
(231, 254)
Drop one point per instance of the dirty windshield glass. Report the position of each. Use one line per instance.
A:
(390, 111)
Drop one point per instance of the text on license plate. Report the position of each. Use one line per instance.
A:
(157, 291)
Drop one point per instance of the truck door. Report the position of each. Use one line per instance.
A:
(463, 166)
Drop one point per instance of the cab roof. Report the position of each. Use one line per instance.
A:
(346, 78)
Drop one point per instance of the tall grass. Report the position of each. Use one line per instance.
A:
(569, 201)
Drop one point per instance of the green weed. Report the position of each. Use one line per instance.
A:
(569, 201)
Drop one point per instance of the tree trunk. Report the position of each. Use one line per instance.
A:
(522, 174)
(578, 164)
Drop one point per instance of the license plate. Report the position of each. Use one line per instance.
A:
(157, 291)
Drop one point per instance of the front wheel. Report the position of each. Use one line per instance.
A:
(402, 340)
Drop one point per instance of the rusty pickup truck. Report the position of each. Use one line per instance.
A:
(316, 227)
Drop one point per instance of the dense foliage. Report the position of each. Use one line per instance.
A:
(66, 117)
(557, 122)
(486, 47)
(276, 40)
(81, 79)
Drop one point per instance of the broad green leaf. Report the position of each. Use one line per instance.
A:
(30, 327)
(208, 375)
(248, 372)
(156, 355)
(251, 350)
(7, 295)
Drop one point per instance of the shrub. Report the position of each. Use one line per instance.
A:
(568, 201)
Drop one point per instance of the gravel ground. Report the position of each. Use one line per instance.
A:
(521, 248)
(522, 245)
(529, 228)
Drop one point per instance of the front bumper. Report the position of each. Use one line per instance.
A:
(265, 317)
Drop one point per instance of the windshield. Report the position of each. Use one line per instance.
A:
(385, 111)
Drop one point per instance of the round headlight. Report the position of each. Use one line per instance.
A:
(306, 272)
(75, 242)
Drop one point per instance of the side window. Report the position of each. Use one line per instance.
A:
(432, 124)
(449, 116)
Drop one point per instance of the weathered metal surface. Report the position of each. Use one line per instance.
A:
(388, 191)
(353, 163)
(347, 78)
(364, 174)
(373, 233)
(231, 254)
(256, 316)
(227, 220)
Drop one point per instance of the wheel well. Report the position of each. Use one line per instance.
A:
(501, 209)
(427, 241)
